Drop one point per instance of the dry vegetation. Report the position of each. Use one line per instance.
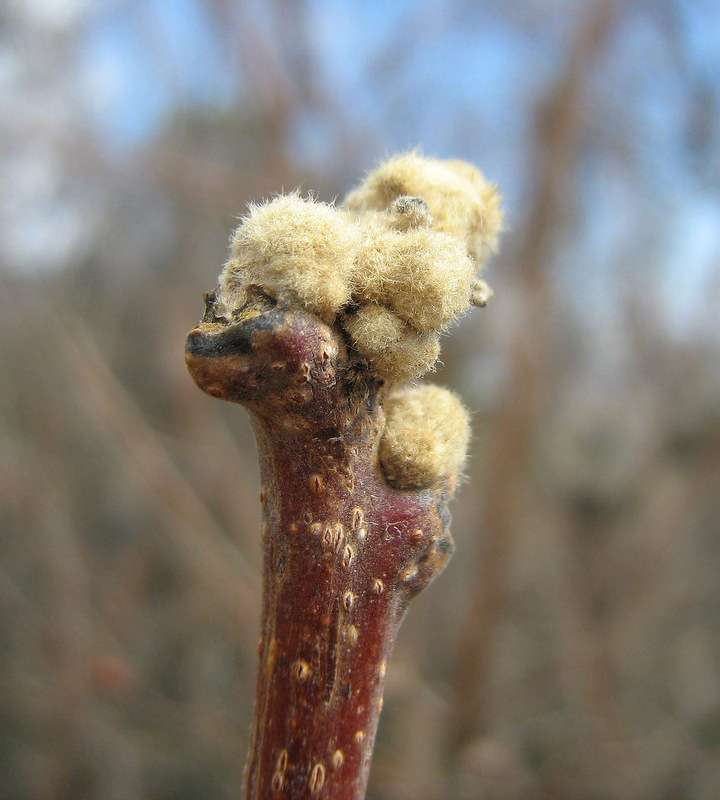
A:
(571, 651)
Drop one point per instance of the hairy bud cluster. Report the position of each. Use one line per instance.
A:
(393, 266)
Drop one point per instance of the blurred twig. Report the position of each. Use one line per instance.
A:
(559, 131)
(218, 565)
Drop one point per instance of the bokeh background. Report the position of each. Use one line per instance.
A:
(571, 651)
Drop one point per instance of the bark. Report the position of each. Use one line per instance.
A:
(343, 551)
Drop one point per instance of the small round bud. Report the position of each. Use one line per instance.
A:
(393, 348)
(423, 275)
(426, 437)
(409, 212)
(297, 248)
(459, 199)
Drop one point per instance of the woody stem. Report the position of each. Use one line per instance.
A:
(343, 551)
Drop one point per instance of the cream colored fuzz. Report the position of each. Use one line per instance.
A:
(426, 437)
(393, 349)
(425, 276)
(297, 248)
(459, 199)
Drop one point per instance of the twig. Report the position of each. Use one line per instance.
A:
(320, 317)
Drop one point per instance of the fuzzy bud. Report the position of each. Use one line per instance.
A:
(426, 437)
(459, 199)
(425, 276)
(293, 247)
(393, 349)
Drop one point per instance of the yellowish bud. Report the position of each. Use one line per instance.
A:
(426, 437)
(459, 199)
(297, 248)
(425, 276)
(393, 349)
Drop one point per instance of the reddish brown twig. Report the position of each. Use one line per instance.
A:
(343, 551)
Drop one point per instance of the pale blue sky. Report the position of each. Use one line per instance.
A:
(459, 79)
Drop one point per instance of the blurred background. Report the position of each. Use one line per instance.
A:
(571, 651)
